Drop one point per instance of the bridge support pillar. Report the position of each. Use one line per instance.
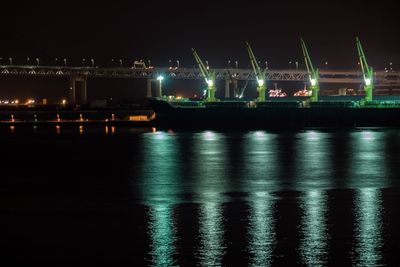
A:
(82, 81)
(235, 88)
(149, 95)
(227, 88)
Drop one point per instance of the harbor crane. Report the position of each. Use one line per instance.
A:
(260, 74)
(368, 72)
(208, 75)
(313, 73)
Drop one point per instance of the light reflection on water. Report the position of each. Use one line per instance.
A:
(313, 161)
(208, 183)
(261, 229)
(313, 248)
(368, 228)
(160, 191)
(210, 179)
(259, 179)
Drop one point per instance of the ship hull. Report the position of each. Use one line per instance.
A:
(272, 117)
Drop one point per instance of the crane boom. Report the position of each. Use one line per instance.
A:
(208, 75)
(313, 73)
(260, 74)
(368, 72)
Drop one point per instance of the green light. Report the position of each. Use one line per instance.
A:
(313, 82)
(210, 83)
(260, 82)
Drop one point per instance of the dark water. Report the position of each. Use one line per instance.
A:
(127, 197)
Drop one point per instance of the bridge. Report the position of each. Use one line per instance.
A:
(231, 76)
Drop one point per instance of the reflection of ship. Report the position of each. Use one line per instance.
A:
(271, 114)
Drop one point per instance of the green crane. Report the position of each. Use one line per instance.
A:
(209, 76)
(313, 73)
(368, 72)
(260, 74)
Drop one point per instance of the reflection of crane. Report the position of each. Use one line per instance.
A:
(368, 72)
(260, 75)
(313, 73)
(208, 75)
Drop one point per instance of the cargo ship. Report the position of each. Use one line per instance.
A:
(313, 111)
(275, 114)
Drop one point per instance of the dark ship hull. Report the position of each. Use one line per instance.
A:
(239, 115)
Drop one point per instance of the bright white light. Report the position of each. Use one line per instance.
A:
(260, 82)
(367, 81)
(160, 78)
(313, 82)
(209, 82)
(63, 102)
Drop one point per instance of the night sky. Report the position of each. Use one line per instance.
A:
(166, 31)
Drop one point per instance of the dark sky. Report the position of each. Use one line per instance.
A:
(163, 30)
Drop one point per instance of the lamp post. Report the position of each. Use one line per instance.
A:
(92, 61)
(160, 79)
(37, 62)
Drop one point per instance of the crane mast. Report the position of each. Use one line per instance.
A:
(313, 73)
(209, 77)
(260, 74)
(368, 72)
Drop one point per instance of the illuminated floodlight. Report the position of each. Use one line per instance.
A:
(367, 81)
(260, 82)
(209, 82)
(160, 78)
(64, 101)
(313, 82)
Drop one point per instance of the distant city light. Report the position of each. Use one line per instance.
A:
(64, 102)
